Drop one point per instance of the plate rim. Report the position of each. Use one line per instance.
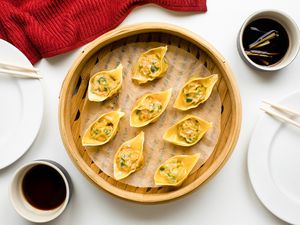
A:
(250, 166)
(32, 99)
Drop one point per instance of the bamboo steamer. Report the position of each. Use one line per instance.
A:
(73, 93)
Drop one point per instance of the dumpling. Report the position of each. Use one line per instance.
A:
(194, 92)
(175, 170)
(149, 107)
(105, 84)
(187, 131)
(103, 129)
(151, 65)
(129, 157)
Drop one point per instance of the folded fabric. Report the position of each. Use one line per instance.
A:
(45, 28)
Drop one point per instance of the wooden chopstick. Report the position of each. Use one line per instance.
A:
(20, 74)
(15, 67)
(282, 108)
(280, 115)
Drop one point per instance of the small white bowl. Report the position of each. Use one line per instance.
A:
(22, 206)
(293, 33)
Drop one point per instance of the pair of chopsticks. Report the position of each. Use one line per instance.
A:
(18, 71)
(281, 112)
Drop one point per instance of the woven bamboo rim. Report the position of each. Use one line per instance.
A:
(74, 88)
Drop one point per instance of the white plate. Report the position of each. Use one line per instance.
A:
(21, 108)
(274, 164)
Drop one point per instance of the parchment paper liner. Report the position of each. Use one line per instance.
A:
(182, 65)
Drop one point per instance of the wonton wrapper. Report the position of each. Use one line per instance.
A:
(163, 97)
(166, 177)
(150, 70)
(156, 150)
(115, 74)
(137, 144)
(114, 117)
(172, 136)
(207, 82)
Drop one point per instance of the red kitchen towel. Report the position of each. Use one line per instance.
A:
(45, 28)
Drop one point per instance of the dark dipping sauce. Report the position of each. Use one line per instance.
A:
(43, 187)
(276, 48)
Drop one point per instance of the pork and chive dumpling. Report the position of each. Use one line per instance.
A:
(187, 131)
(149, 107)
(103, 129)
(150, 65)
(129, 157)
(175, 170)
(194, 92)
(105, 84)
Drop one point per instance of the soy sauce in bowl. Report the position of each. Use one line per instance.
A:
(43, 187)
(265, 41)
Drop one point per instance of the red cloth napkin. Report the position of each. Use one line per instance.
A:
(45, 28)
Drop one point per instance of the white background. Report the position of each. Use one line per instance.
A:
(226, 199)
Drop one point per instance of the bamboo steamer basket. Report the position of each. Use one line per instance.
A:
(73, 94)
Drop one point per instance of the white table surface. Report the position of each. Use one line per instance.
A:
(226, 199)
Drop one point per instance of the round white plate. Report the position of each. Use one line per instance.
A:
(21, 108)
(274, 163)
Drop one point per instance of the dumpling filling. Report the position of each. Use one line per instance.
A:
(173, 171)
(148, 109)
(149, 66)
(189, 130)
(128, 159)
(194, 92)
(103, 84)
(102, 129)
